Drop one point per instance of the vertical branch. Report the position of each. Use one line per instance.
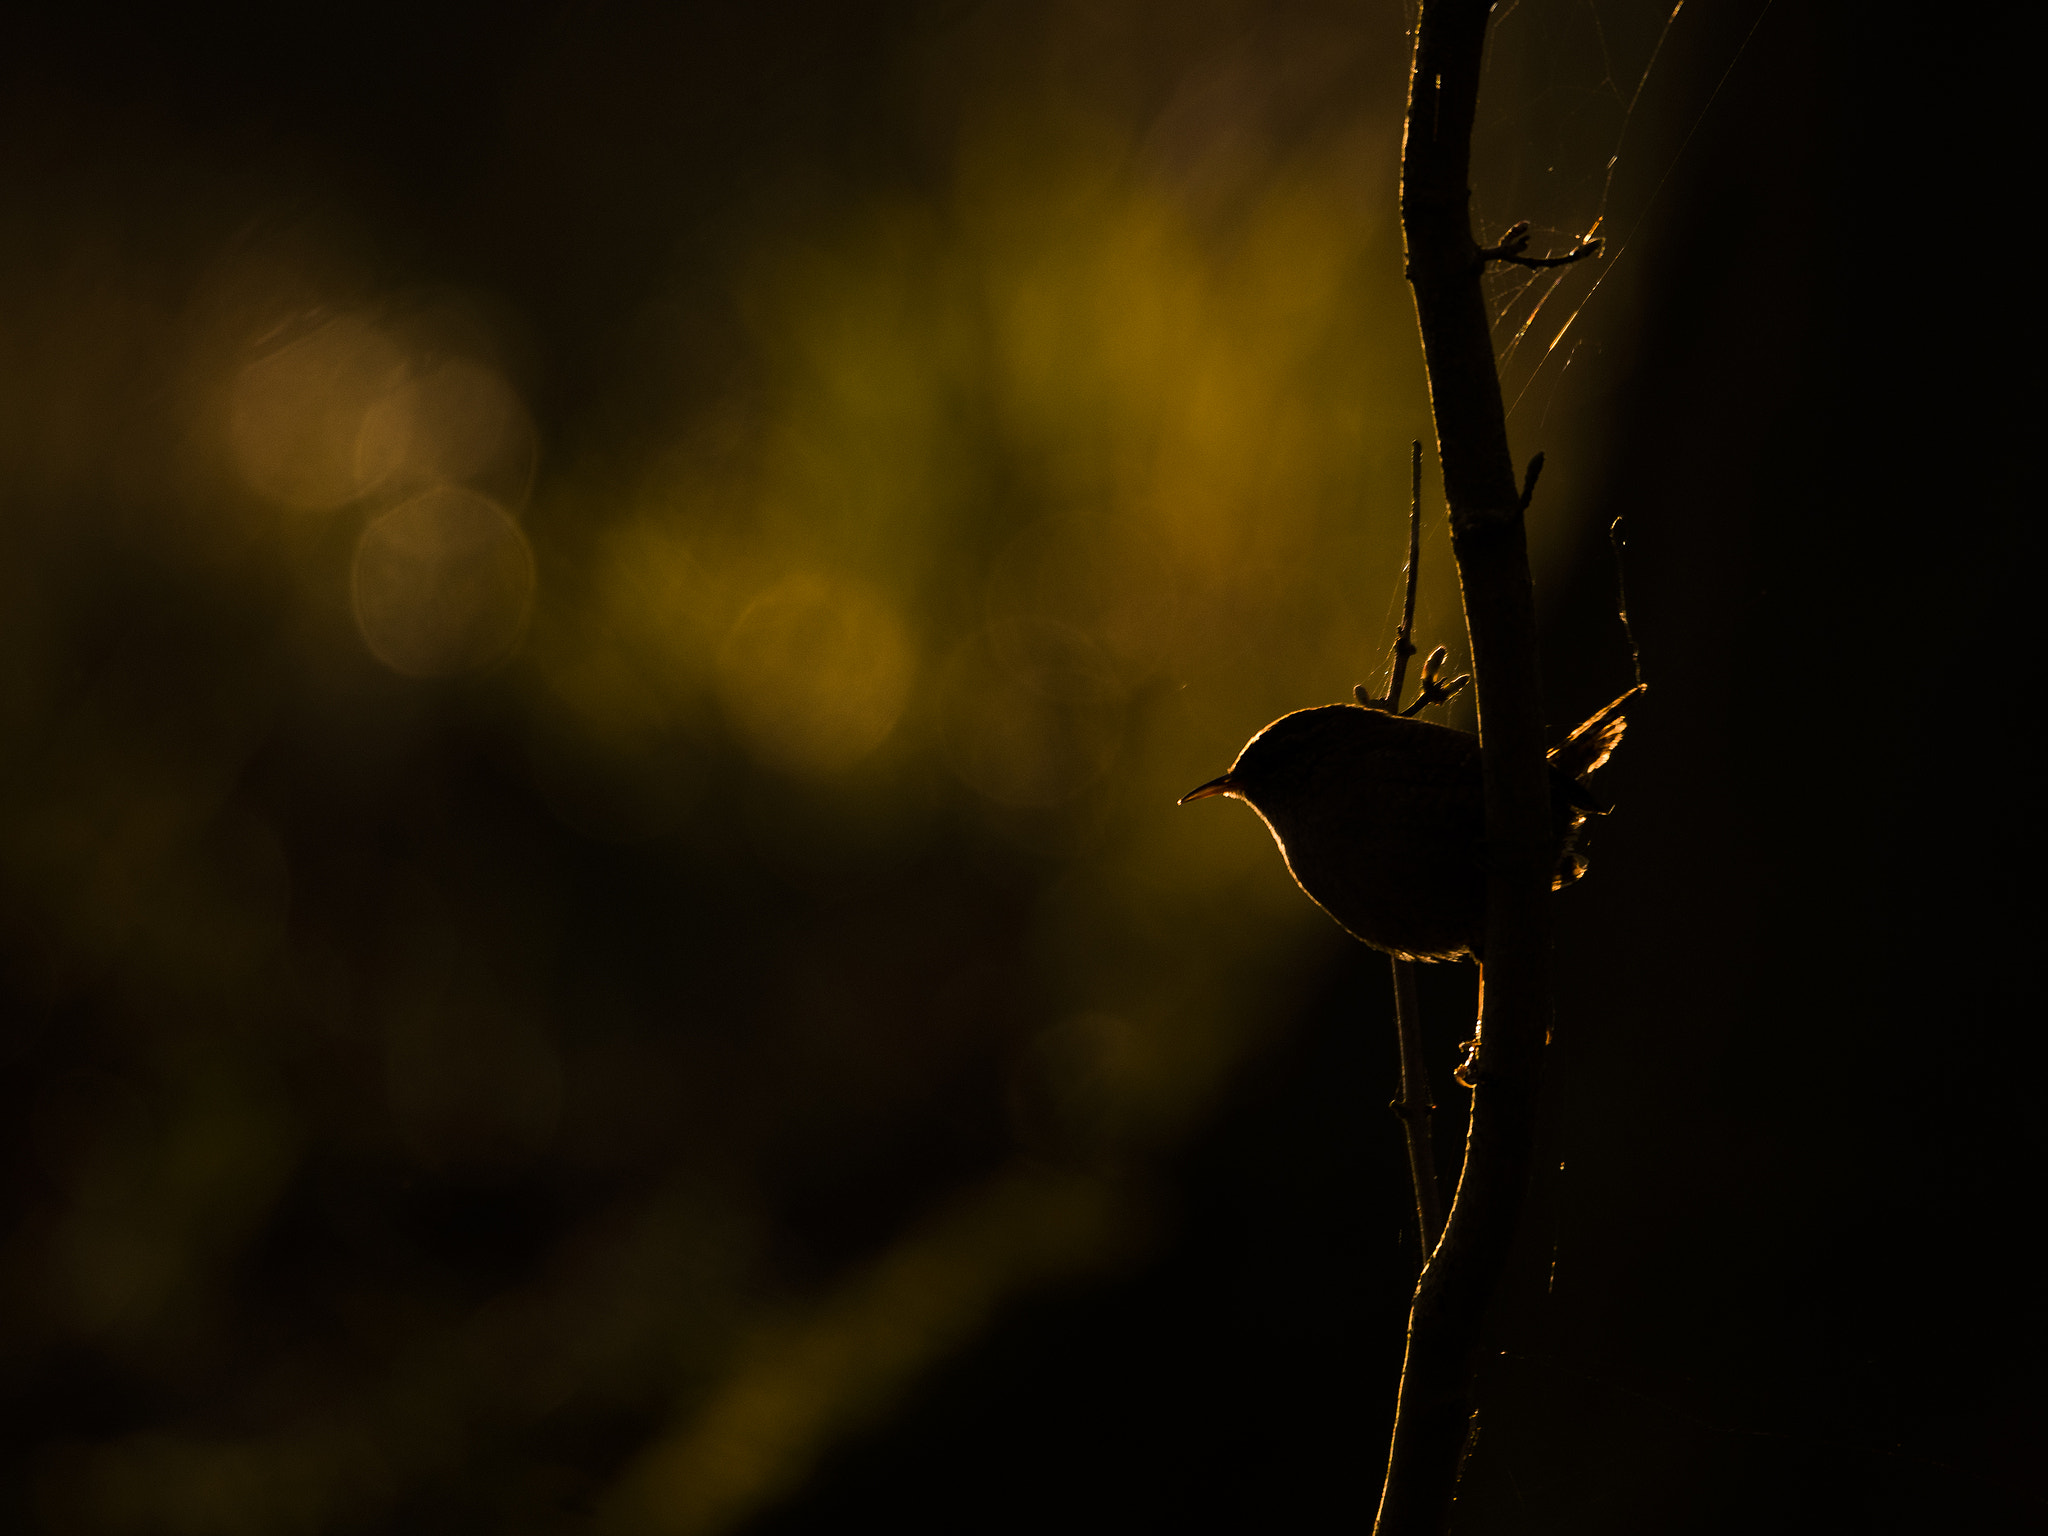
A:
(1487, 537)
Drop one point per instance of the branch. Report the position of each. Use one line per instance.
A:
(1488, 539)
(1516, 241)
(1404, 645)
(1433, 691)
(1414, 1107)
(1635, 656)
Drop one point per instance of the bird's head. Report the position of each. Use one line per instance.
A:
(1283, 760)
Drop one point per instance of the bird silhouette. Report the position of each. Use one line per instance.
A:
(1382, 819)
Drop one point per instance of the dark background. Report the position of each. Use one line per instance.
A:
(1772, 1272)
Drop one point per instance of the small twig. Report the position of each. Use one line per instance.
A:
(1435, 691)
(1516, 241)
(1529, 481)
(1404, 645)
(1414, 1107)
(1621, 603)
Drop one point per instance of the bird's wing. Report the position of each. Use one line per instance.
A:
(1587, 749)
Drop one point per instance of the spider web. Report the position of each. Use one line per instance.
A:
(1587, 107)
(1582, 122)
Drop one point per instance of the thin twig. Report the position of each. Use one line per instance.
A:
(1614, 539)
(1435, 691)
(1404, 644)
(1516, 241)
(1414, 1107)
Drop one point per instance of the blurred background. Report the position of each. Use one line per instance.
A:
(604, 607)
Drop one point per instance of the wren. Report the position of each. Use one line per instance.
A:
(1382, 819)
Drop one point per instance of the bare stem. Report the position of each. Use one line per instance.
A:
(1514, 246)
(1488, 539)
(1414, 1107)
(1404, 638)
(1635, 656)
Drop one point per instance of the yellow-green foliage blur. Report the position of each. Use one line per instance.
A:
(587, 769)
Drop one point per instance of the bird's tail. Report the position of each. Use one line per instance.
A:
(1587, 749)
(1571, 760)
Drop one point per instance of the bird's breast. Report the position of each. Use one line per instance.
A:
(1396, 859)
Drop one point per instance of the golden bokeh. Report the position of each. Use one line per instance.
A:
(442, 583)
(1032, 716)
(457, 422)
(815, 673)
(297, 414)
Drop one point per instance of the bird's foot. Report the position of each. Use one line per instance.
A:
(1468, 1070)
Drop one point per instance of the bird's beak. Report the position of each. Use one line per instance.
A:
(1223, 786)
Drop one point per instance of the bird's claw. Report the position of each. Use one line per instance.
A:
(1467, 1071)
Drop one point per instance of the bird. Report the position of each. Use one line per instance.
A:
(1381, 818)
